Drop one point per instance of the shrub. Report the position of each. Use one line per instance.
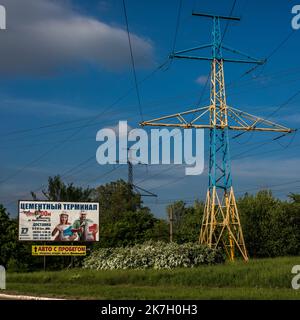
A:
(155, 255)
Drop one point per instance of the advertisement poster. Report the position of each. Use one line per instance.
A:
(58, 250)
(58, 221)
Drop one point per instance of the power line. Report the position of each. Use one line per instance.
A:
(177, 26)
(154, 175)
(133, 63)
(281, 44)
(103, 175)
(78, 127)
(203, 90)
(168, 169)
(227, 23)
(287, 102)
(271, 54)
(42, 127)
(61, 123)
(17, 172)
(261, 153)
(79, 165)
(284, 104)
(236, 156)
(282, 73)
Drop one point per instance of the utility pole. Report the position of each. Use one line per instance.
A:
(221, 223)
(171, 222)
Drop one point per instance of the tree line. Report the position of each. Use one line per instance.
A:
(271, 226)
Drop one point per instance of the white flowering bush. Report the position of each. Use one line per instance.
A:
(155, 255)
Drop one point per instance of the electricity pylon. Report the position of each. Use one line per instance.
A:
(221, 223)
(142, 192)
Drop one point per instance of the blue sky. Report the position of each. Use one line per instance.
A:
(65, 63)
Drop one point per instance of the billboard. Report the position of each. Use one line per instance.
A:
(58, 250)
(58, 221)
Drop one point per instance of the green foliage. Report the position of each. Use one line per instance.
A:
(269, 225)
(7, 241)
(130, 228)
(186, 221)
(159, 231)
(294, 197)
(123, 219)
(156, 255)
(14, 255)
(115, 198)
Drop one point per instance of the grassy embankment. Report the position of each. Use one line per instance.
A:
(258, 279)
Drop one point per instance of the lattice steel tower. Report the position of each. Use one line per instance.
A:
(221, 223)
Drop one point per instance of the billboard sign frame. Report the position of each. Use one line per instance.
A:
(66, 208)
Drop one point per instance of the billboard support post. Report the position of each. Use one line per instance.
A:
(72, 260)
(44, 260)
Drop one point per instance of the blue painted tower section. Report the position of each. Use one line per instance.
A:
(219, 157)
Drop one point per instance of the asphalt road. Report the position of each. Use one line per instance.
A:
(21, 297)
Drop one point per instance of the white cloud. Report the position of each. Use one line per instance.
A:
(45, 36)
(202, 79)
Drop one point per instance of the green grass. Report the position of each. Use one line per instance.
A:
(257, 279)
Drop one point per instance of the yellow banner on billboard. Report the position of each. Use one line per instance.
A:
(58, 250)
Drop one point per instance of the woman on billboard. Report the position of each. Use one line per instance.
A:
(63, 231)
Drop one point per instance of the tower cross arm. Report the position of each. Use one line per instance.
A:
(179, 119)
(191, 49)
(207, 15)
(199, 119)
(250, 59)
(244, 121)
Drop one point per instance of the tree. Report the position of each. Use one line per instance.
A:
(186, 221)
(14, 255)
(255, 214)
(123, 219)
(131, 228)
(189, 229)
(284, 230)
(270, 226)
(6, 237)
(294, 197)
(115, 198)
(159, 231)
(59, 191)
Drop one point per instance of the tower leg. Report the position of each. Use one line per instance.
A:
(221, 224)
